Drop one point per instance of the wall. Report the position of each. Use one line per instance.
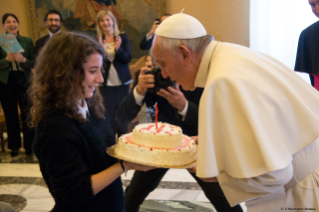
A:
(226, 20)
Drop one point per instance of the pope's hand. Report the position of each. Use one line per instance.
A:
(134, 166)
(195, 138)
(192, 170)
(145, 81)
(210, 180)
(174, 96)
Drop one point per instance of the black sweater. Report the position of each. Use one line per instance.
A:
(69, 153)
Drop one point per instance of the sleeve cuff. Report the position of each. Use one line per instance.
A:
(184, 111)
(138, 98)
(148, 38)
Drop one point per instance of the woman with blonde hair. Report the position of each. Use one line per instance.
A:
(117, 77)
(72, 132)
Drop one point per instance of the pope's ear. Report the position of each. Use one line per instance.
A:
(186, 54)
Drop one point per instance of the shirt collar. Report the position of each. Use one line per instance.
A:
(84, 111)
(201, 76)
(50, 33)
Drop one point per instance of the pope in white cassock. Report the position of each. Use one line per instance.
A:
(258, 120)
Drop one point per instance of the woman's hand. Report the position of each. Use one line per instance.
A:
(10, 57)
(129, 165)
(118, 42)
(19, 58)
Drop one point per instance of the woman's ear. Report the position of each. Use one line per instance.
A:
(186, 54)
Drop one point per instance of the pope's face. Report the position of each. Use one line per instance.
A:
(173, 66)
(314, 6)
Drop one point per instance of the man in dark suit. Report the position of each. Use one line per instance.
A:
(177, 107)
(307, 58)
(147, 40)
(53, 20)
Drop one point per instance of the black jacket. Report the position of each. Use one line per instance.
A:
(70, 152)
(129, 109)
(146, 44)
(40, 43)
(121, 61)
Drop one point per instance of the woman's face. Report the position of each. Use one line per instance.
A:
(106, 23)
(148, 62)
(93, 76)
(11, 25)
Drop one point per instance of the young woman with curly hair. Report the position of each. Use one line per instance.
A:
(72, 133)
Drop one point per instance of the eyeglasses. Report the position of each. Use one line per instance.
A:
(52, 20)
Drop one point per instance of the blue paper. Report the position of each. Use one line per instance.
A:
(9, 43)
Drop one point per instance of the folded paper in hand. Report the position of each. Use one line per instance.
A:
(9, 43)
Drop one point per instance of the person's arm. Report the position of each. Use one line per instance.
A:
(67, 170)
(239, 190)
(106, 177)
(4, 63)
(146, 43)
(131, 104)
(191, 116)
(123, 53)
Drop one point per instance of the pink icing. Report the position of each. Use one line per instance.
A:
(186, 143)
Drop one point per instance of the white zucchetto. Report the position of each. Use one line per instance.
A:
(181, 26)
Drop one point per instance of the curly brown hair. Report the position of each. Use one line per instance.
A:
(54, 82)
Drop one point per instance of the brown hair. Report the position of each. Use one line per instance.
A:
(54, 83)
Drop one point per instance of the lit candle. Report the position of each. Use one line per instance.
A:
(156, 112)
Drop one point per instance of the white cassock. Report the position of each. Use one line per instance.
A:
(258, 130)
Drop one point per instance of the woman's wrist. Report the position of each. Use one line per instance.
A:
(123, 166)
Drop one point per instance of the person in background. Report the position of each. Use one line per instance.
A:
(144, 115)
(15, 71)
(307, 59)
(117, 77)
(72, 131)
(53, 20)
(147, 40)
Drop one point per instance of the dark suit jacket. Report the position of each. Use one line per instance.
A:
(121, 61)
(129, 109)
(40, 43)
(307, 59)
(146, 44)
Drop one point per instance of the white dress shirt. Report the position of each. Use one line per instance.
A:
(84, 111)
